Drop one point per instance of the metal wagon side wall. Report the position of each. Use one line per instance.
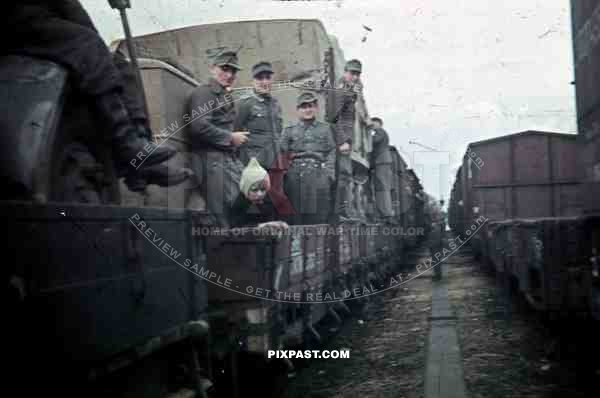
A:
(585, 15)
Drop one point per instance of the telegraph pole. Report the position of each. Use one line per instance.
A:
(431, 149)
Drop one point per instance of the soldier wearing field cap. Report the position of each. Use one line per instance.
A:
(260, 114)
(212, 113)
(342, 119)
(311, 174)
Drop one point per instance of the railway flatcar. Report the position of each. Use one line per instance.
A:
(117, 293)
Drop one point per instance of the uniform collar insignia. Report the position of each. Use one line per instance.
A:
(215, 86)
(261, 97)
(311, 124)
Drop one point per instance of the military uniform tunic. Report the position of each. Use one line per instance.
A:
(212, 114)
(381, 161)
(343, 119)
(312, 172)
(344, 113)
(261, 116)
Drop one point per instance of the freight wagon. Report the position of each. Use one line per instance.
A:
(527, 188)
(113, 293)
(524, 175)
(542, 199)
(585, 33)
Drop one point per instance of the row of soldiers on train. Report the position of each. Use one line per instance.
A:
(71, 40)
(304, 155)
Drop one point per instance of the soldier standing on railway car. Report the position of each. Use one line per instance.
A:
(213, 114)
(260, 114)
(310, 176)
(381, 162)
(342, 120)
(63, 32)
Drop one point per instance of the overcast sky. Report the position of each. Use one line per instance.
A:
(443, 73)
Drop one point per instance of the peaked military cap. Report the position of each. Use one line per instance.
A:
(262, 67)
(223, 56)
(354, 65)
(306, 98)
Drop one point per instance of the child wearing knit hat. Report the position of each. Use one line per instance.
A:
(254, 184)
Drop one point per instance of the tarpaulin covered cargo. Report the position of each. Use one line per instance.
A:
(297, 49)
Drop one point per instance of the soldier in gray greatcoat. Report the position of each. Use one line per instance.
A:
(212, 114)
(312, 171)
(381, 161)
(342, 120)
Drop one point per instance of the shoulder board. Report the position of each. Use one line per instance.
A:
(245, 96)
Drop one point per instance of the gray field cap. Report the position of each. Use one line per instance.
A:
(262, 67)
(306, 98)
(353, 65)
(223, 56)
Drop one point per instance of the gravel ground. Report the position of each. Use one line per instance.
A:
(508, 350)
(388, 348)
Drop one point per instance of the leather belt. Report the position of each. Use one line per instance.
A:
(308, 162)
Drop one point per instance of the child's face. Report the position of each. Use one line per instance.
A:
(257, 192)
